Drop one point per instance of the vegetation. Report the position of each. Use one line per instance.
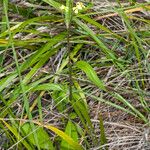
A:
(74, 75)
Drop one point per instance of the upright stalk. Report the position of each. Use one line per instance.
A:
(68, 19)
(70, 62)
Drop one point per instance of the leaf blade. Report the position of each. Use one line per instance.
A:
(91, 74)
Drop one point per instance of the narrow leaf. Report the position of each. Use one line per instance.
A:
(53, 3)
(42, 136)
(91, 74)
(17, 135)
(47, 87)
(103, 139)
(72, 132)
(63, 135)
(107, 51)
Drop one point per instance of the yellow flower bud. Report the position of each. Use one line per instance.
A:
(63, 7)
(76, 10)
(80, 5)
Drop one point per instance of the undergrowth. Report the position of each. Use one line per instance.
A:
(70, 68)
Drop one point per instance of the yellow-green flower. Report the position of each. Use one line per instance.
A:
(80, 5)
(75, 9)
(63, 7)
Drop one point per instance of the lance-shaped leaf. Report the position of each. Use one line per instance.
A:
(63, 135)
(91, 74)
(42, 136)
(72, 132)
(53, 4)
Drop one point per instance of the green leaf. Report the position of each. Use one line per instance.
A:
(129, 105)
(42, 136)
(107, 51)
(96, 24)
(103, 139)
(17, 135)
(63, 135)
(37, 66)
(7, 81)
(83, 113)
(47, 87)
(38, 55)
(60, 98)
(91, 74)
(53, 4)
(20, 26)
(72, 132)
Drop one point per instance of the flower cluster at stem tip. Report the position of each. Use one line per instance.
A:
(79, 6)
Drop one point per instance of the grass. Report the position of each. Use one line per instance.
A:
(74, 76)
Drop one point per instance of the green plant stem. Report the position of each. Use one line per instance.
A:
(69, 63)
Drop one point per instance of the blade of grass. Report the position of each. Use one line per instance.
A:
(108, 52)
(103, 139)
(93, 22)
(17, 135)
(135, 111)
(26, 103)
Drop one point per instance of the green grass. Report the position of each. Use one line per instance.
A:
(58, 68)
